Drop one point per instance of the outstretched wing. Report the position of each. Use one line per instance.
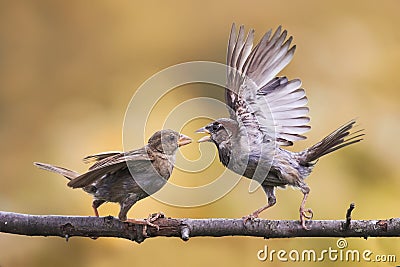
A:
(261, 102)
(135, 159)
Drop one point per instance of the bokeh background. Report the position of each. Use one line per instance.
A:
(69, 69)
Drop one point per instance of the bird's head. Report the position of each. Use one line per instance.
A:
(168, 141)
(218, 131)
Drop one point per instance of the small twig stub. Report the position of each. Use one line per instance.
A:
(348, 216)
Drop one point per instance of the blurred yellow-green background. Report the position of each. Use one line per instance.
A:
(69, 69)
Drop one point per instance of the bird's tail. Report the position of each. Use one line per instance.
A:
(342, 137)
(64, 172)
(70, 175)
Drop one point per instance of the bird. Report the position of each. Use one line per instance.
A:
(266, 113)
(127, 177)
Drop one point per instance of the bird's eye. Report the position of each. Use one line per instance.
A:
(215, 126)
(172, 137)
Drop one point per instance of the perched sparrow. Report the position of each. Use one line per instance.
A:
(267, 112)
(127, 177)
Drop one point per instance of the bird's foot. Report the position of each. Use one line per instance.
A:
(147, 222)
(154, 217)
(305, 214)
(252, 217)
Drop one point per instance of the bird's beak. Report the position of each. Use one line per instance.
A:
(206, 138)
(184, 140)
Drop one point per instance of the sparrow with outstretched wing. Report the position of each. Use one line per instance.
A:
(267, 112)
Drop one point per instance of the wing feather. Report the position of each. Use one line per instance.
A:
(100, 156)
(258, 99)
(110, 165)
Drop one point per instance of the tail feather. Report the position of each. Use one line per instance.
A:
(340, 138)
(64, 172)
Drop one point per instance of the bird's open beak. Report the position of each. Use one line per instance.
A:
(206, 138)
(184, 140)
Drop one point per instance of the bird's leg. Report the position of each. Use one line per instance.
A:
(96, 203)
(305, 213)
(269, 190)
(126, 205)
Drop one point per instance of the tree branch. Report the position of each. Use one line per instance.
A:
(68, 226)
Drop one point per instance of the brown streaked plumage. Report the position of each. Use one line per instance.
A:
(126, 178)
